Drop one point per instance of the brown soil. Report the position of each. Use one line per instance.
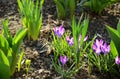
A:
(39, 52)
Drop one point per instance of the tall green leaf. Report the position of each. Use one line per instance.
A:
(4, 66)
(84, 30)
(20, 60)
(113, 49)
(9, 56)
(118, 28)
(7, 34)
(21, 33)
(60, 9)
(72, 7)
(115, 37)
(4, 45)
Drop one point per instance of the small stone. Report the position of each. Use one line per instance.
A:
(40, 70)
(35, 53)
(33, 74)
(37, 77)
(28, 78)
(46, 71)
(27, 49)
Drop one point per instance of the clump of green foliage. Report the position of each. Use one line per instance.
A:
(10, 50)
(98, 6)
(64, 7)
(31, 16)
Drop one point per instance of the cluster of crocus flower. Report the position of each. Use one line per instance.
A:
(59, 31)
(63, 60)
(100, 46)
(117, 60)
(71, 40)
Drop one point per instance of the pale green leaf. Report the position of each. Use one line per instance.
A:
(20, 60)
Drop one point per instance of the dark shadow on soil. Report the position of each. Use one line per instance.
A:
(100, 21)
(8, 9)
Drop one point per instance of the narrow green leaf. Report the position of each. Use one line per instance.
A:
(20, 5)
(7, 34)
(17, 41)
(72, 7)
(27, 65)
(41, 3)
(19, 35)
(118, 28)
(115, 37)
(9, 56)
(84, 30)
(4, 45)
(60, 10)
(113, 50)
(20, 60)
(4, 66)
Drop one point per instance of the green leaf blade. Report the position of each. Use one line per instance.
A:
(115, 37)
(4, 66)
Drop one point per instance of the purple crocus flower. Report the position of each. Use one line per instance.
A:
(105, 48)
(97, 46)
(59, 31)
(117, 60)
(81, 37)
(70, 40)
(100, 46)
(63, 60)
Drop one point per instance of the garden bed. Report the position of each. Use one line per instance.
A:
(40, 52)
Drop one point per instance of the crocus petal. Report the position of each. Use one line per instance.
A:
(98, 51)
(117, 60)
(96, 47)
(67, 39)
(97, 42)
(85, 38)
(101, 41)
(105, 48)
(81, 37)
(70, 41)
(108, 48)
(59, 31)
